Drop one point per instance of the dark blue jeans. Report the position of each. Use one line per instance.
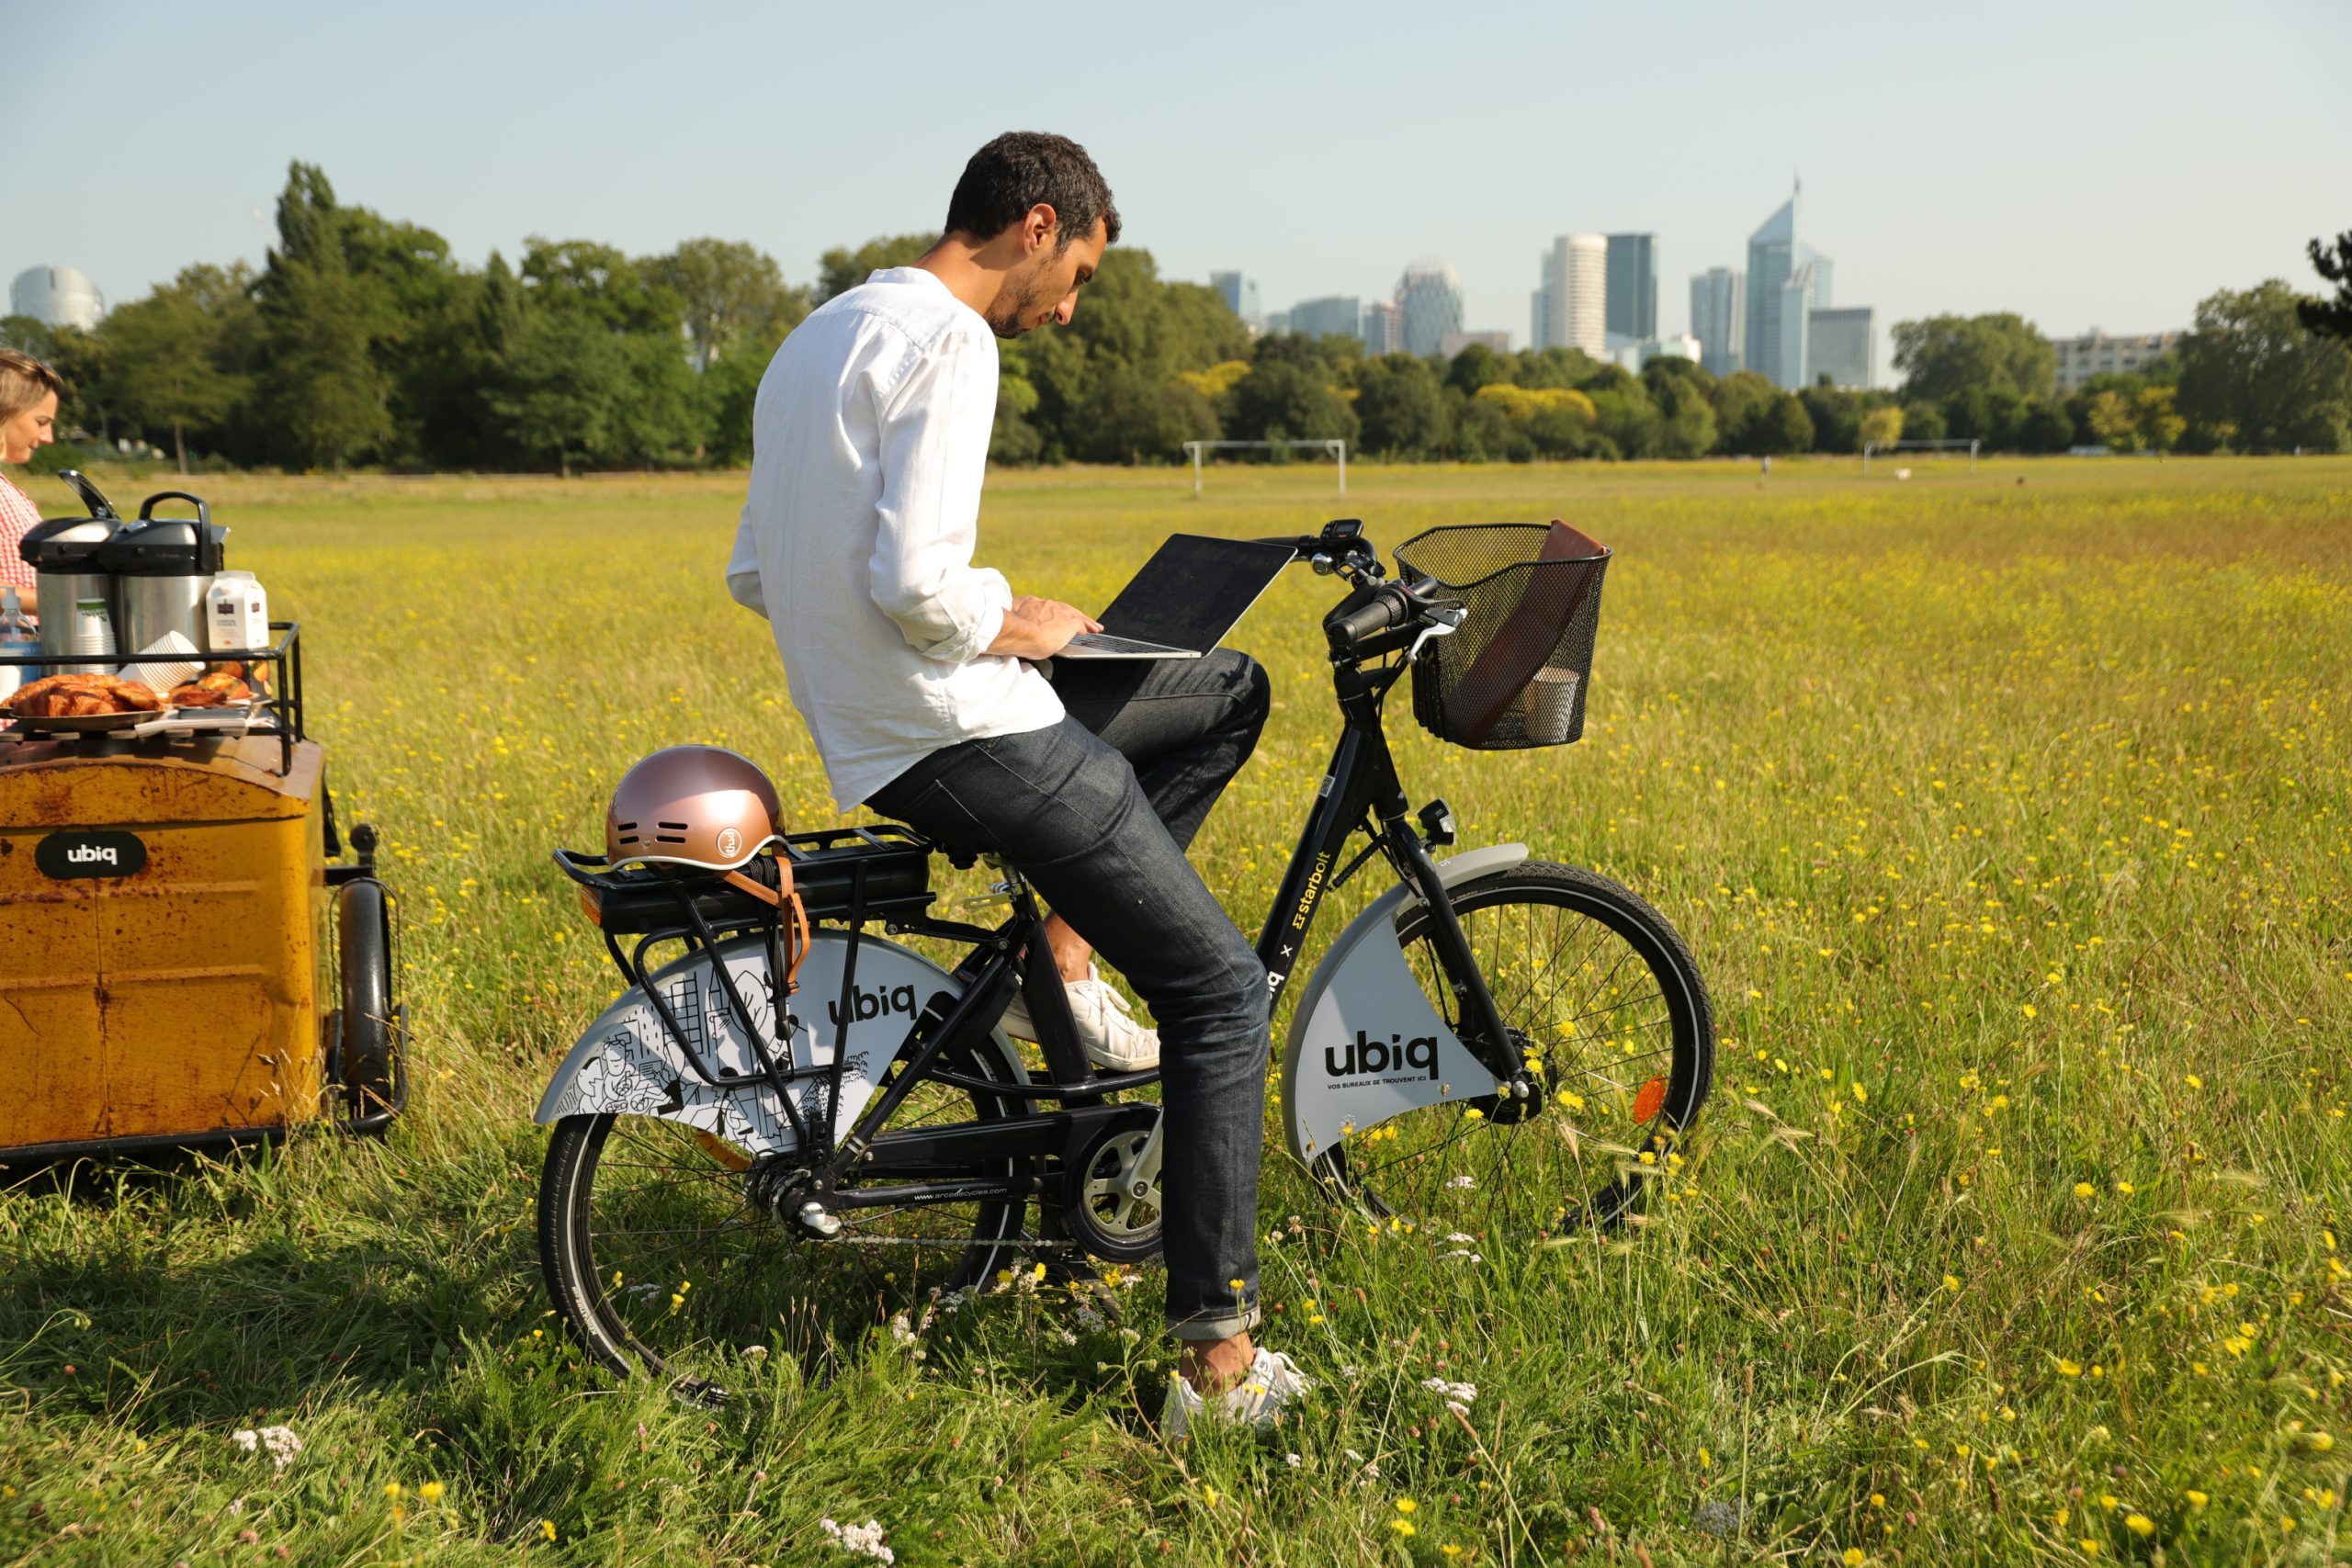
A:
(1096, 813)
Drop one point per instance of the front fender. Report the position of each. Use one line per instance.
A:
(626, 1061)
(1362, 1007)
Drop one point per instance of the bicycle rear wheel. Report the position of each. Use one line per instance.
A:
(660, 1262)
(1604, 1001)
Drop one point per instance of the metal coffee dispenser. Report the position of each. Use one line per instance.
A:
(77, 595)
(161, 566)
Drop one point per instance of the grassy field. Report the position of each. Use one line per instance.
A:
(2006, 812)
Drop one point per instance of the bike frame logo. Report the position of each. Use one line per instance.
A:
(877, 1003)
(1366, 1057)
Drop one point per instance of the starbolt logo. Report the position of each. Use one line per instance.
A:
(877, 1003)
(730, 842)
(1367, 1056)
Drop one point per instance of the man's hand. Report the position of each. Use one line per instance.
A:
(1039, 628)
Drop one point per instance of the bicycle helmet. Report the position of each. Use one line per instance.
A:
(702, 807)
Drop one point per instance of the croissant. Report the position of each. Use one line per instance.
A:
(229, 686)
(193, 696)
(80, 705)
(135, 696)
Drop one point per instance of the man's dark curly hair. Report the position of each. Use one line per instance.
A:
(1022, 168)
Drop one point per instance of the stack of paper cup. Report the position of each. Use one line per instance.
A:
(1548, 706)
(167, 671)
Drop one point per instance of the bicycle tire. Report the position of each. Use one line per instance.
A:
(1435, 1157)
(745, 1275)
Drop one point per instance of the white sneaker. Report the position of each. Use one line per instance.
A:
(1264, 1392)
(1107, 1027)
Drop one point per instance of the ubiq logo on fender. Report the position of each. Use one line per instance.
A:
(103, 852)
(877, 1003)
(1367, 1056)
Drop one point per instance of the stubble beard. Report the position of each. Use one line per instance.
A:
(1007, 317)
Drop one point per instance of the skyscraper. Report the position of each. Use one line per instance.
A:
(1334, 315)
(1384, 329)
(1239, 292)
(1719, 317)
(1841, 345)
(1571, 309)
(1429, 297)
(1771, 256)
(1806, 289)
(1633, 286)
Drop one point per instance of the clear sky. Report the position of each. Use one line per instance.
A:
(2087, 164)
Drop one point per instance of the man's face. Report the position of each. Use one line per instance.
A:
(1043, 285)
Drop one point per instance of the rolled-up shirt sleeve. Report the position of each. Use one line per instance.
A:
(934, 425)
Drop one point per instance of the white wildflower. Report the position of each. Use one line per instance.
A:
(1351, 1373)
(1462, 1252)
(1293, 1460)
(281, 1442)
(755, 1353)
(1457, 1395)
(1065, 1335)
(864, 1539)
(902, 1331)
(1459, 1235)
(1463, 1181)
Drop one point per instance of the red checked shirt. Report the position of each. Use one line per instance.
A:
(17, 513)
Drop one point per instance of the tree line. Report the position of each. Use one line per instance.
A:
(363, 341)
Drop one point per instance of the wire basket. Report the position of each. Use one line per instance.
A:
(1515, 673)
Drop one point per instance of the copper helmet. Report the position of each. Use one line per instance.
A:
(697, 806)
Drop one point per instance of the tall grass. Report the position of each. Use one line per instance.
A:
(2007, 813)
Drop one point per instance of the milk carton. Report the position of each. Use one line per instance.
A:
(236, 613)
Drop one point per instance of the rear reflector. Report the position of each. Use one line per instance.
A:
(591, 904)
(1652, 1099)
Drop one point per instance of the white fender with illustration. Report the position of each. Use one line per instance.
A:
(626, 1061)
(1365, 1046)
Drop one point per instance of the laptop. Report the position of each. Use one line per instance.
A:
(1188, 595)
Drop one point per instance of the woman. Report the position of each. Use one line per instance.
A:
(28, 392)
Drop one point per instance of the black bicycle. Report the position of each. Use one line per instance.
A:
(775, 1134)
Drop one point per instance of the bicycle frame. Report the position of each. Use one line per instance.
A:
(873, 1166)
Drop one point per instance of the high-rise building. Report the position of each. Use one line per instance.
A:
(1840, 344)
(2095, 354)
(1429, 298)
(56, 297)
(1239, 291)
(1719, 318)
(1331, 316)
(1571, 309)
(1633, 286)
(1807, 291)
(1384, 329)
(1771, 257)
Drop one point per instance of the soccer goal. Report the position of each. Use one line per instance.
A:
(1337, 449)
(1954, 445)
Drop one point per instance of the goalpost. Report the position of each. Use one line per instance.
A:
(1952, 445)
(1337, 448)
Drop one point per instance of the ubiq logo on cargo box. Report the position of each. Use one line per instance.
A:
(103, 852)
(877, 1003)
(1366, 1057)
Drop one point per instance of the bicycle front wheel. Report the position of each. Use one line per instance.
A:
(1605, 1003)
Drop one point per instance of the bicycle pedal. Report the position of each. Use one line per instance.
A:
(814, 1217)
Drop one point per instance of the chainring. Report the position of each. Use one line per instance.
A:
(1102, 1211)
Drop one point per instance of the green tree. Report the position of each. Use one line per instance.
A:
(28, 334)
(1685, 418)
(330, 399)
(2047, 427)
(733, 294)
(1743, 401)
(1400, 407)
(1989, 414)
(170, 351)
(1882, 426)
(2330, 317)
(565, 390)
(1837, 418)
(1923, 420)
(841, 269)
(1135, 418)
(1944, 354)
(1283, 401)
(2251, 371)
(1477, 365)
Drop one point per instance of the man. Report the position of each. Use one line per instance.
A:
(921, 679)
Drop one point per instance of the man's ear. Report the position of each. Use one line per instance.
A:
(1038, 226)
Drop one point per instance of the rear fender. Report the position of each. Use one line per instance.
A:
(626, 1063)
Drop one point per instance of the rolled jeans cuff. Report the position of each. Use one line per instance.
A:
(1220, 1325)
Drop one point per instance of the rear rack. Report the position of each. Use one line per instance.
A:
(878, 870)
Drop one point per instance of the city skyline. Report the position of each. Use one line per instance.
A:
(518, 144)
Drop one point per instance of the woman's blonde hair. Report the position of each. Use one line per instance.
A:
(24, 381)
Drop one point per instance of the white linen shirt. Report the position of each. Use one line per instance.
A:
(869, 441)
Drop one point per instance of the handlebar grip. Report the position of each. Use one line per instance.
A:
(1389, 606)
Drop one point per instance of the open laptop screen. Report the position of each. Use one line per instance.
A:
(1193, 589)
